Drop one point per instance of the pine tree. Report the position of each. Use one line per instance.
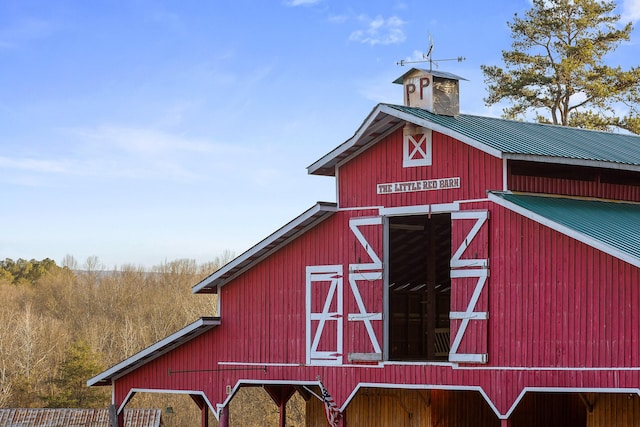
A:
(557, 67)
(69, 387)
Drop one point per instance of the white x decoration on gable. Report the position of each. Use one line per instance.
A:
(416, 149)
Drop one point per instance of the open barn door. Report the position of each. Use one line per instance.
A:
(365, 301)
(418, 286)
(351, 304)
(469, 273)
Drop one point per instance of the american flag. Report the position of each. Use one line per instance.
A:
(331, 410)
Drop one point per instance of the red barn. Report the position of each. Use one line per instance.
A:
(474, 271)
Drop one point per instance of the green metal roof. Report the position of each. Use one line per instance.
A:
(535, 139)
(499, 137)
(613, 227)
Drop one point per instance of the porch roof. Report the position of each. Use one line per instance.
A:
(610, 226)
(154, 351)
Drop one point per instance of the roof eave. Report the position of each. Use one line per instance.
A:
(300, 225)
(327, 163)
(154, 351)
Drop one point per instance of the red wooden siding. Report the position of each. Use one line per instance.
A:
(590, 183)
(558, 302)
(382, 163)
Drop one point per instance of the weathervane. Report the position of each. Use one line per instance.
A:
(426, 57)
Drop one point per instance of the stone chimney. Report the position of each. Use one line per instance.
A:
(435, 91)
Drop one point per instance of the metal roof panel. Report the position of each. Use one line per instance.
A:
(536, 139)
(436, 73)
(74, 417)
(499, 137)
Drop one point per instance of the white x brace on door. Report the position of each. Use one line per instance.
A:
(369, 272)
(325, 306)
(469, 272)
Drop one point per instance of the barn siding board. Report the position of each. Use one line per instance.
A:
(571, 187)
(549, 323)
(358, 188)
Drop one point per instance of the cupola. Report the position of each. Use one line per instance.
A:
(435, 91)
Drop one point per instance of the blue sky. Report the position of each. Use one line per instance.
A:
(146, 131)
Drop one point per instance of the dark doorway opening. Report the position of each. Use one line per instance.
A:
(419, 286)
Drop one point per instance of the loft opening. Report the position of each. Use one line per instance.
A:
(418, 286)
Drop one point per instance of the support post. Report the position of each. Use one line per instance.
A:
(505, 423)
(283, 414)
(224, 416)
(204, 409)
(280, 394)
(204, 416)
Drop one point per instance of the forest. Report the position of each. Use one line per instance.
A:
(62, 324)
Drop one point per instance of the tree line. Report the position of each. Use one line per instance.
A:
(61, 325)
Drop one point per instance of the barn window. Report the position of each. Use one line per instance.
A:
(419, 286)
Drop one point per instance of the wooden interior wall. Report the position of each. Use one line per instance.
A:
(380, 407)
(550, 410)
(614, 410)
(314, 413)
(461, 409)
(386, 407)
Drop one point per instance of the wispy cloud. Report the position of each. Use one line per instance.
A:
(141, 140)
(120, 152)
(35, 165)
(301, 2)
(338, 19)
(379, 31)
(630, 10)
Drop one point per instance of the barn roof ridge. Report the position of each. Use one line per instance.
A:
(502, 138)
